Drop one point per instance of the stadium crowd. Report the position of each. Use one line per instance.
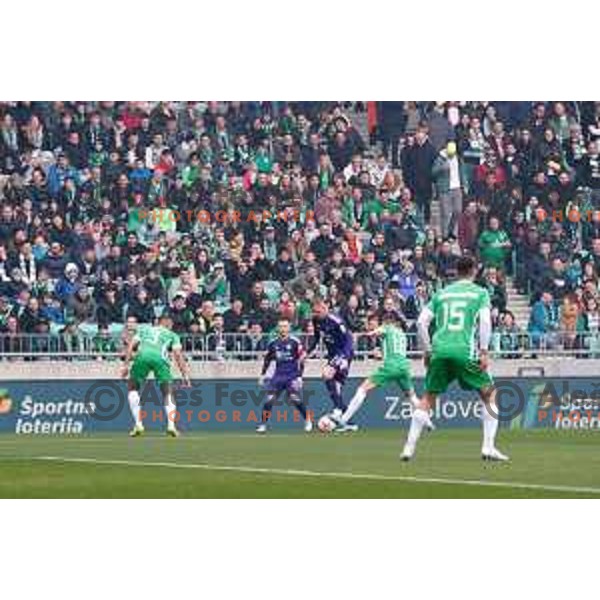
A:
(232, 214)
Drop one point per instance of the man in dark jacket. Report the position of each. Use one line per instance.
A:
(440, 130)
(234, 320)
(419, 163)
(55, 261)
(110, 308)
(284, 268)
(538, 267)
(141, 307)
(392, 123)
(324, 244)
(241, 280)
(311, 153)
(341, 151)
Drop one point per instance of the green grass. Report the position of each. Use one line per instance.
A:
(294, 465)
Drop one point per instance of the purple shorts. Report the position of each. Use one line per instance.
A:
(291, 385)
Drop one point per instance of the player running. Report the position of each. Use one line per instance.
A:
(149, 349)
(289, 355)
(340, 351)
(458, 311)
(395, 369)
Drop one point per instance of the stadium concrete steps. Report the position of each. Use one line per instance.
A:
(436, 220)
(517, 303)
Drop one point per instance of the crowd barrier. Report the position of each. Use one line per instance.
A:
(244, 346)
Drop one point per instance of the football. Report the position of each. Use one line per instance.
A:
(326, 424)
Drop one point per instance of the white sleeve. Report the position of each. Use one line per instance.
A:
(149, 161)
(485, 328)
(423, 322)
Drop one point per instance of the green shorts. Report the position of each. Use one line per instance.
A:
(397, 372)
(443, 370)
(144, 365)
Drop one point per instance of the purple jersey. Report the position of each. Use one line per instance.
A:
(336, 336)
(287, 354)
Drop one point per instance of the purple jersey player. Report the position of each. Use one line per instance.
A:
(288, 354)
(339, 348)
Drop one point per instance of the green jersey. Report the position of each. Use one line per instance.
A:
(156, 342)
(394, 344)
(492, 247)
(456, 318)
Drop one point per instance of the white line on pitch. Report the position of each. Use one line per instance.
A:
(330, 474)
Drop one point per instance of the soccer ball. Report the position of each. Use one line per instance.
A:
(326, 424)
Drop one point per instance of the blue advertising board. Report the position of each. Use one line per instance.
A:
(75, 407)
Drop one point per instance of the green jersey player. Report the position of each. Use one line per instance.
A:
(462, 322)
(150, 350)
(394, 369)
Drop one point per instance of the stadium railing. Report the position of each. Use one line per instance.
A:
(246, 347)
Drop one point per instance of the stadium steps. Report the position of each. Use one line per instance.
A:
(517, 303)
(436, 219)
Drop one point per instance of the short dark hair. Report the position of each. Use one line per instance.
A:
(393, 316)
(465, 266)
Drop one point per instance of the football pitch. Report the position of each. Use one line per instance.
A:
(545, 464)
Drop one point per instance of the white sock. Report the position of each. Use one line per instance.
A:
(414, 399)
(418, 421)
(415, 402)
(170, 410)
(490, 427)
(354, 406)
(134, 405)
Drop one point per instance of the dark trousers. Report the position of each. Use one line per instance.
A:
(391, 140)
(423, 202)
